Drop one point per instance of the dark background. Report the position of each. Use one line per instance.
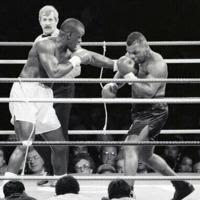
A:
(111, 20)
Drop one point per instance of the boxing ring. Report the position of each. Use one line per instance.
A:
(152, 185)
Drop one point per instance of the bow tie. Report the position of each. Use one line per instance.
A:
(43, 36)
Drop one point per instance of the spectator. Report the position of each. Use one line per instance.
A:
(196, 167)
(106, 169)
(15, 190)
(83, 164)
(185, 165)
(68, 188)
(3, 165)
(35, 163)
(119, 189)
(172, 156)
(79, 150)
(108, 155)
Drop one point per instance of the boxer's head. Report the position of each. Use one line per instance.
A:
(137, 47)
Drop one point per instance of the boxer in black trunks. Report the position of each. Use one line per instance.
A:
(148, 119)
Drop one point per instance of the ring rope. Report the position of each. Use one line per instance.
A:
(115, 132)
(102, 80)
(103, 143)
(188, 100)
(101, 84)
(170, 61)
(95, 177)
(153, 43)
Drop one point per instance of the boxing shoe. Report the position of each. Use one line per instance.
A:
(182, 189)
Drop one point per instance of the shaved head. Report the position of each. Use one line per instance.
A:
(135, 37)
(71, 24)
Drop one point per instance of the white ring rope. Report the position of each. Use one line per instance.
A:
(101, 84)
(153, 43)
(116, 132)
(102, 80)
(103, 143)
(170, 61)
(188, 100)
(96, 177)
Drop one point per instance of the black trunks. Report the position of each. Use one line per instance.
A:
(152, 115)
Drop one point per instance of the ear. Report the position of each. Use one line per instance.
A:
(69, 35)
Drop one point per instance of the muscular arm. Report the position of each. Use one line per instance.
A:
(94, 59)
(98, 60)
(50, 63)
(147, 89)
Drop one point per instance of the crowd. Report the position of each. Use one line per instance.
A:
(89, 160)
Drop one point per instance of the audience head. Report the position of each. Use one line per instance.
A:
(80, 149)
(196, 167)
(84, 164)
(35, 162)
(118, 189)
(13, 187)
(186, 164)
(67, 184)
(109, 155)
(171, 151)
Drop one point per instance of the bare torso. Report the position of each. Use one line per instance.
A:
(147, 70)
(33, 67)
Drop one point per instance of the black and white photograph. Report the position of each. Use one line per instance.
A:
(100, 100)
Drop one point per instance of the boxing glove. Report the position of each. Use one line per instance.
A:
(76, 71)
(126, 68)
(109, 90)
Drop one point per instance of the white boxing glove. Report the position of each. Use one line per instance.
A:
(76, 71)
(109, 90)
(126, 68)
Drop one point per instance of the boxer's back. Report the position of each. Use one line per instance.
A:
(33, 67)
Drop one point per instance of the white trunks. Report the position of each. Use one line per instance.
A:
(41, 114)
